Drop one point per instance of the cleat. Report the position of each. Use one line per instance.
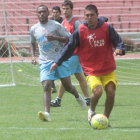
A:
(90, 115)
(44, 116)
(81, 102)
(87, 101)
(56, 103)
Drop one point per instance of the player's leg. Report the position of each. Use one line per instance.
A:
(47, 96)
(96, 88)
(83, 84)
(46, 79)
(47, 84)
(57, 101)
(64, 73)
(110, 97)
(61, 90)
(97, 93)
(76, 69)
(110, 84)
(71, 89)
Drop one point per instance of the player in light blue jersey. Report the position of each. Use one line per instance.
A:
(50, 36)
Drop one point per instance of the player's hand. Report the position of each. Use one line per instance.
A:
(53, 67)
(34, 61)
(118, 52)
(50, 37)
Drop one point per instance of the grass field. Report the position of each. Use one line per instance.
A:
(19, 106)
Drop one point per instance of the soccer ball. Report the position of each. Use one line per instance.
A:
(99, 121)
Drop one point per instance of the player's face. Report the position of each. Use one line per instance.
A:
(91, 18)
(56, 14)
(67, 11)
(42, 14)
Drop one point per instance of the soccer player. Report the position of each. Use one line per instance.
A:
(94, 41)
(71, 23)
(50, 36)
(56, 14)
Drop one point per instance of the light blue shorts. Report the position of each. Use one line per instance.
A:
(75, 65)
(61, 72)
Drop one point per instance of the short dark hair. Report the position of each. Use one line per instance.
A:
(56, 8)
(43, 6)
(92, 7)
(68, 2)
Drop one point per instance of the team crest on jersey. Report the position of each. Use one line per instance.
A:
(94, 42)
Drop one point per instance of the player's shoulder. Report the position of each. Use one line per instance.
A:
(55, 25)
(53, 22)
(35, 26)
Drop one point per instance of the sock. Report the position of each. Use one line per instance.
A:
(92, 112)
(47, 113)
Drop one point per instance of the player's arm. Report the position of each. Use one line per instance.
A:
(62, 35)
(33, 49)
(70, 46)
(67, 50)
(33, 45)
(117, 41)
(58, 38)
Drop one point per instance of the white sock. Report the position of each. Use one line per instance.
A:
(92, 112)
(47, 113)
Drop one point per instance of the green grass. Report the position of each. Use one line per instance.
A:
(19, 106)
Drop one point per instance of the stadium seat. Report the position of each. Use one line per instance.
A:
(124, 15)
(130, 17)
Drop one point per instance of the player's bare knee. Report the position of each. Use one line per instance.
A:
(98, 91)
(46, 85)
(68, 88)
(110, 89)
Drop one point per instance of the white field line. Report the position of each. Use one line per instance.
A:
(33, 128)
(29, 61)
(127, 58)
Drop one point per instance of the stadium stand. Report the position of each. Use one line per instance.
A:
(124, 15)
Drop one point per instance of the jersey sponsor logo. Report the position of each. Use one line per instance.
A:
(94, 42)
